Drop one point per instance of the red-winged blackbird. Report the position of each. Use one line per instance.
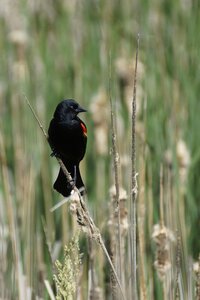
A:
(68, 139)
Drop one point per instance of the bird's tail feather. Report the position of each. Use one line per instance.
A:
(61, 184)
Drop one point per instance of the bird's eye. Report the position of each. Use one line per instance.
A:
(75, 106)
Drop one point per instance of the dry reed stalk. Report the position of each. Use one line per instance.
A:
(47, 240)
(141, 226)
(18, 69)
(161, 199)
(82, 214)
(91, 271)
(183, 157)
(49, 290)
(18, 153)
(94, 290)
(134, 189)
(12, 223)
(47, 195)
(163, 248)
(169, 209)
(150, 203)
(118, 258)
(196, 270)
(29, 221)
(4, 234)
(176, 216)
(79, 292)
(163, 237)
(178, 266)
(112, 225)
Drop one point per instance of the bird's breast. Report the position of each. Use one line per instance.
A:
(69, 139)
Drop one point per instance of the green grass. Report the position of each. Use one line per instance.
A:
(65, 54)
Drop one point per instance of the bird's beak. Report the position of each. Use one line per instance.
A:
(80, 109)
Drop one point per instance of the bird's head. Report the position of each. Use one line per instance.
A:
(68, 106)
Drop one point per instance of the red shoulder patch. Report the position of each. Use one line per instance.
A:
(84, 129)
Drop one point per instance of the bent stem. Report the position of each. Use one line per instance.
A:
(82, 212)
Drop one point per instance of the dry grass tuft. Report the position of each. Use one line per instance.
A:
(162, 236)
(66, 279)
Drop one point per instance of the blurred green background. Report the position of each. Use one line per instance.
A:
(51, 50)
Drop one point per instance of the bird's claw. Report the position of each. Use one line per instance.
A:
(54, 153)
(80, 219)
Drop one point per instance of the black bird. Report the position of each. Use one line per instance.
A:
(68, 139)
